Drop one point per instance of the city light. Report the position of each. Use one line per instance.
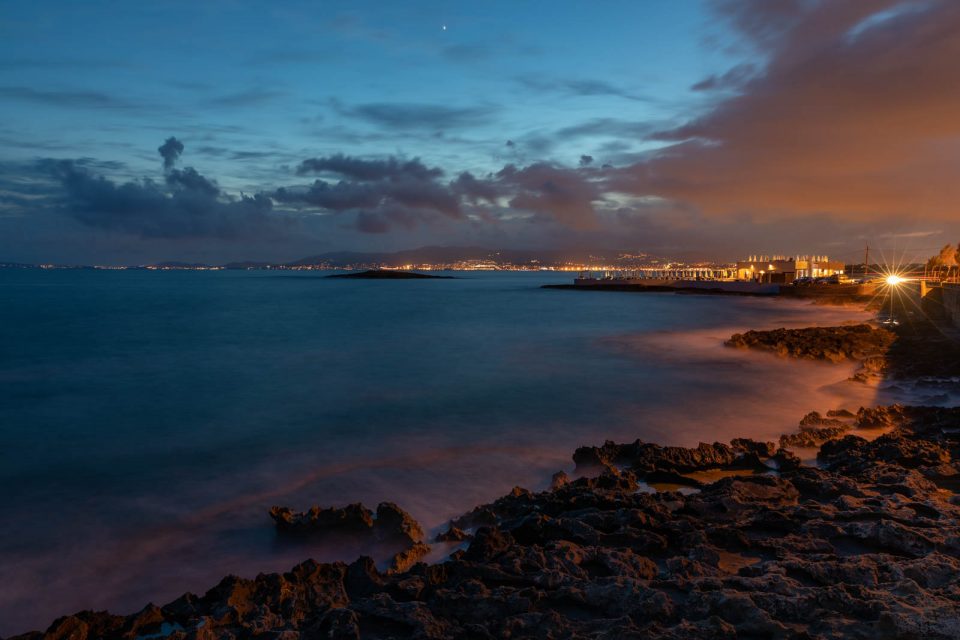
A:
(893, 280)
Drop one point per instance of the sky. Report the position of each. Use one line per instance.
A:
(241, 130)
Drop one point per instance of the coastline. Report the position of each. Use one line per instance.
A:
(604, 563)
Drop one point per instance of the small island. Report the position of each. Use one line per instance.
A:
(389, 274)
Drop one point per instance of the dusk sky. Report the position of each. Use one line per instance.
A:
(133, 132)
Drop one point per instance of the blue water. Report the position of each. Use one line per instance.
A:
(149, 419)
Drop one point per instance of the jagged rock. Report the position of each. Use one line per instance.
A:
(403, 560)
(354, 518)
(393, 524)
(865, 546)
(645, 458)
(760, 449)
(840, 413)
(852, 452)
(813, 437)
(785, 460)
(872, 366)
(559, 479)
(879, 417)
(833, 344)
(453, 534)
(814, 419)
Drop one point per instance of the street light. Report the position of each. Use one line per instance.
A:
(893, 281)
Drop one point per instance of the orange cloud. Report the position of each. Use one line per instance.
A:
(855, 113)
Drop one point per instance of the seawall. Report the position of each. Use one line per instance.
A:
(692, 286)
(951, 303)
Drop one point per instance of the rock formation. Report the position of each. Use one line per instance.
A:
(866, 546)
(833, 344)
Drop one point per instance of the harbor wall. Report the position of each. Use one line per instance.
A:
(852, 291)
(951, 303)
(747, 288)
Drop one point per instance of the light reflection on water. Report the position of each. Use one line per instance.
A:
(150, 419)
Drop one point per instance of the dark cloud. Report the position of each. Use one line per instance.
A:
(566, 195)
(393, 192)
(371, 223)
(366, 170)
(733, 79)
(188, 180)
(854, 114)
(248, 98)
(608, 127)
(170, 151)
(390, 191)
(335, 197)
(185, 205)
(194, 207)
(402, 115)
(390, 219)
(475, 190)
(586, 161)
(223, 152)
(578, 87)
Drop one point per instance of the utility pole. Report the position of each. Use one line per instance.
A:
(866, 257)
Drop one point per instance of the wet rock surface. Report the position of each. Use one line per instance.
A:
(834, 344)
(389, 524)
(865, 546)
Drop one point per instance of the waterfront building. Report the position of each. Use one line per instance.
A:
(786, 269)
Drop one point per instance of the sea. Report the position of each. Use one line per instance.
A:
(150, 419)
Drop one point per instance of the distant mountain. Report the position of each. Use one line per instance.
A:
(181, 265)
(249, 264)
(434, 255)
(448, 255)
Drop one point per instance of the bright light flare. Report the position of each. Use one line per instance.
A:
(894, 280)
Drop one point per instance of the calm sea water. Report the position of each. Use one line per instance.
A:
(150, 419)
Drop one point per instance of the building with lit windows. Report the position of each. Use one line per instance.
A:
(786, 269)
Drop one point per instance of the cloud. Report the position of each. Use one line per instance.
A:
(385, 191)
(608, 127)
(566, 195)
(194, 208)
(80, 99)
(186, 205)
(731, 80)
(365, 170)
(188, 180)
(475, 190)
(392, 192)
(371, 223)
(850, 115)
(402, 115)
(248, 98)
(586, 87)
(170, 151)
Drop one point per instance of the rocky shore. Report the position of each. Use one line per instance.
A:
(724, 540)
(834, 344)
